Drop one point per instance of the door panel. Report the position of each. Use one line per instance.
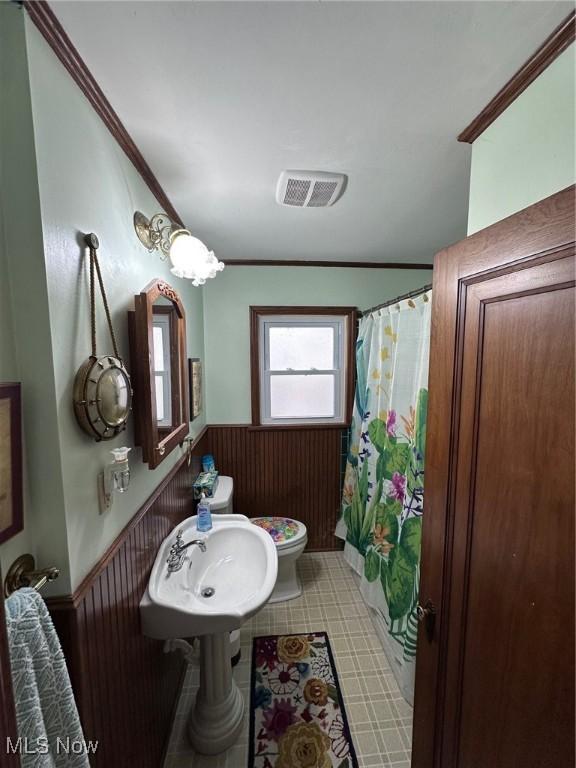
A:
(495, 688)
(517, 562)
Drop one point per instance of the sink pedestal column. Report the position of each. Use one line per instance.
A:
(216, 719)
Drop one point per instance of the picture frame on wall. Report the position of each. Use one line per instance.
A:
(195, 388)
(11, 491)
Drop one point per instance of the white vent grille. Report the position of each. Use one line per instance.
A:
(309, 189)
(322, 194)
(296, 192)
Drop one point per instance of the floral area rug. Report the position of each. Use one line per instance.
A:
(297, 717)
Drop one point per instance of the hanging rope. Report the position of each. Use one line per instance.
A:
(92, 242)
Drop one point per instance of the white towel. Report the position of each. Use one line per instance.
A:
(48, 723)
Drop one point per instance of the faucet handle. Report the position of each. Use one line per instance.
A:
(174, 560)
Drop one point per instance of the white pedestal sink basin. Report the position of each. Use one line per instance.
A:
(214, 592)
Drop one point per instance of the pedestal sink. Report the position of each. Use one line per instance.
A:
(213, 593)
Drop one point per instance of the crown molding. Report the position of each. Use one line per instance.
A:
(551, 48)
(342, 264)
(53, 32)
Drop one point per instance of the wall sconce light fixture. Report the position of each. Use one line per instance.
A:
(189, 257)
(116, 477)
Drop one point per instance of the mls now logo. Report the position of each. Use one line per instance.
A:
(41, 746)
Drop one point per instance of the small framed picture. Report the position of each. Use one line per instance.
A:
(195, 388)
(11, 521)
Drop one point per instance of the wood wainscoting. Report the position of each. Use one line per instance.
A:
(292, 472)
(125, 685)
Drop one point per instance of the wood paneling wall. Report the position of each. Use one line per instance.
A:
(125, 685)
(288, 472)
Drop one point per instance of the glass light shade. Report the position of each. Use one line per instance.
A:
(191, 259)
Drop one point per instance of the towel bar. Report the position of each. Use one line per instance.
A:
(23, 573)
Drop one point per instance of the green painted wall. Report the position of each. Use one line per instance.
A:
(66, 175)
(8, 365)
(25, 340)
(527, 154)
(228, 297)
(88, 185)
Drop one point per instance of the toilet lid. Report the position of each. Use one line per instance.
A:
(285, 531)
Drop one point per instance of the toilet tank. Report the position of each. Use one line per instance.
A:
(221, 501)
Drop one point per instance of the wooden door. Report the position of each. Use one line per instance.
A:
(495, 684)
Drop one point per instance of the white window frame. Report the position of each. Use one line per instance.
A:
(339, 324)
(162, 321)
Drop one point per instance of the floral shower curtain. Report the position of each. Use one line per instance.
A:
(383, 491)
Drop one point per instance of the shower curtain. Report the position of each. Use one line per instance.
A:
(381, 519)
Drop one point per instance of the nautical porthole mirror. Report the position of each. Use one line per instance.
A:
(102, 389)
(102, 397)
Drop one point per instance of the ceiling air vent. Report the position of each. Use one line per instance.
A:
(309, 189)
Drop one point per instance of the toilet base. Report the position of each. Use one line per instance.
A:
(288, 584)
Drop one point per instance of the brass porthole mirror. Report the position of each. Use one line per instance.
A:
(102, 388)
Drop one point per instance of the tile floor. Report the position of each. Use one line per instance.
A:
(379, 717)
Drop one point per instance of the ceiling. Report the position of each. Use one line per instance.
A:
(222, 96)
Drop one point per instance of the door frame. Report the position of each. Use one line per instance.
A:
(8, 728)
(543, 232)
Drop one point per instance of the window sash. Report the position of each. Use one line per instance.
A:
(163, 323)
(338, 324)
(303, 419)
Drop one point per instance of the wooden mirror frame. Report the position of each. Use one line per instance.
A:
(155, 441)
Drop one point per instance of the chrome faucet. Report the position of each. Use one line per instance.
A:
(178, 551)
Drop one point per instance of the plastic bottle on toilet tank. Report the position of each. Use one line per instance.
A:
(204, 519)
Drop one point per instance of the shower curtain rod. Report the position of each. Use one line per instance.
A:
(409, 295)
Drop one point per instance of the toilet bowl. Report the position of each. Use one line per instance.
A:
(289, 535)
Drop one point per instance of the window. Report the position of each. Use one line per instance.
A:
(301, 365)
(162, 378)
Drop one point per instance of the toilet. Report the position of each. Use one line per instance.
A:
(289, 535)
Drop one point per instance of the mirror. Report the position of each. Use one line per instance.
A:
(164, 320)
(114, 393)
(157, 328)
(102, 397)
